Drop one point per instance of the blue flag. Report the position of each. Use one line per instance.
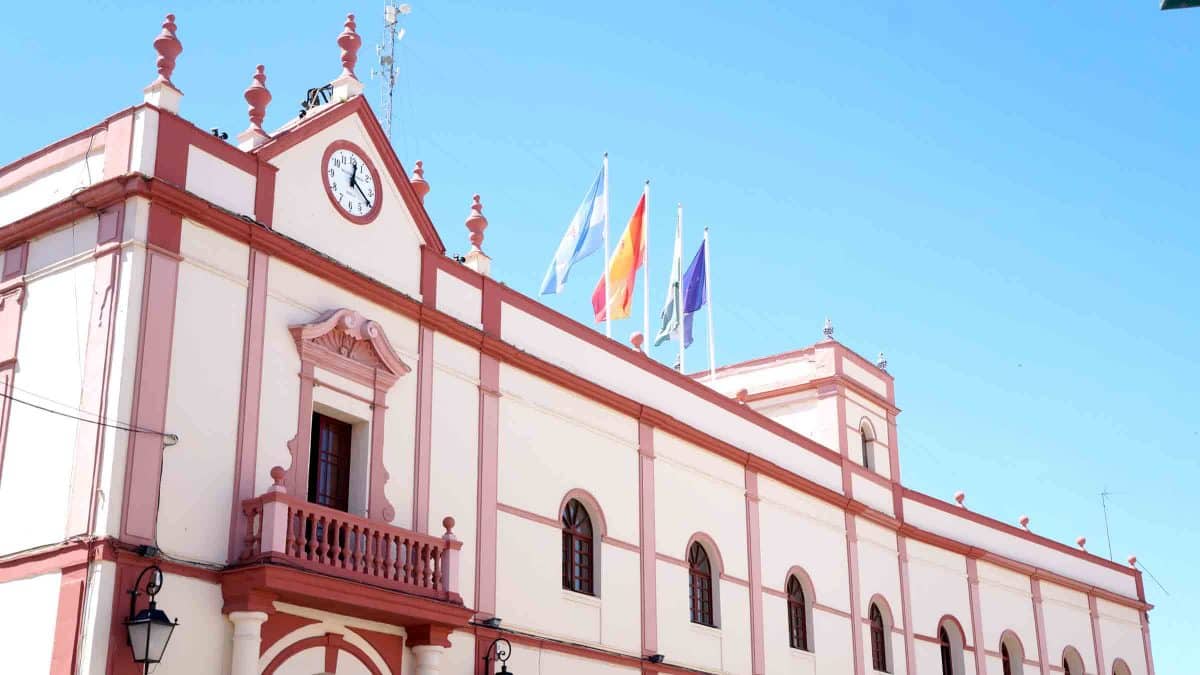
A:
(583, 237)
(695, 291)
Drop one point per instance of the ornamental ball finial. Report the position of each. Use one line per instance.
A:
(1133, 561)
(169, 48)
(828, 330)
(881, 362)
(741, 395)
(277, 474)
(960, 497)
(350, 42)
(1081, 542)
(418, 182)
(476, 223)
(448, 523)
(637, 339)
(1024, 521)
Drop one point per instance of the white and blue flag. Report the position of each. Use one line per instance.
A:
(584, 235)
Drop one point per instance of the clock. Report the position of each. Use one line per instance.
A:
(351, 182)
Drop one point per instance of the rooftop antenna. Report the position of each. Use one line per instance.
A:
(386, 49)
(1104, 495)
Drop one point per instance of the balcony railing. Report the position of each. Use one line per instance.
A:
(283, 529)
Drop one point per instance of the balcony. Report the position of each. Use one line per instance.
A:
(288, 531)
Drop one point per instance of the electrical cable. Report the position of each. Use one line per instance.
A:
(169, 438)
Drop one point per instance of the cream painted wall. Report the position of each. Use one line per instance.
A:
(203, 397)
(1121, 631)
(798, 530)
(203, 643)
(938, 586)
(1068, 622)
(28, 626)
(40, 446)
(863, 376)
(388, 249)
(1006, 603)
(459, 299)
(220, 182)
(680, 640)
(55, 184)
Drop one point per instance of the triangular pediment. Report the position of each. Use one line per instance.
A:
(345, 342)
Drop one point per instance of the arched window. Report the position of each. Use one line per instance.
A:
(700, 579)
(797, 606)
(577, 549)
(1012, 655)
(1072, 662)
(879, 640)
(951, 642)
(1120, 667)
(866, 436)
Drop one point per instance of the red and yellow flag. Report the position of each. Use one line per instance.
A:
(623, 267)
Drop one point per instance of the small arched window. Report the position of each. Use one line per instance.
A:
(797, 606)
(866, 436)
(1005, 660)
(1072, 662)
(700, 581)
(1012, 655)
(951, 643)
(1120, 667)
(947, 657)
(879, 652)
(577, 549)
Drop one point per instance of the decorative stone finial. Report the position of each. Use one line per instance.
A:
(960, 497)
(162, 92)
(476, 223)
(1133, 561)
(881, 362)
(277, 474)
(1024, 521)
(741, 395)
(419, 184)
(476, 259)
(637, 339)
(350, 42)
(1081, 542)
(169, 48)
(828, 330)
(257, 97)
(448, 523)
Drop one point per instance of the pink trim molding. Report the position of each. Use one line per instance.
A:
(12, 301)
(646, 537)
(246, 457)
(1039, 623)
(855, 608)
(424, 429)
(754, 558)
(1097, 640)
(976, 614)
(910, 654)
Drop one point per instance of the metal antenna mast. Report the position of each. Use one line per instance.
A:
(1104, 495)
(392, 33)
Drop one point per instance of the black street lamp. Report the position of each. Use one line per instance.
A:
(149, 630)
(501, 656)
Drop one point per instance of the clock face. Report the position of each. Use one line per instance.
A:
(351, 182)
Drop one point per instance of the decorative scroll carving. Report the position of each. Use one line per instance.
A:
(344, 342)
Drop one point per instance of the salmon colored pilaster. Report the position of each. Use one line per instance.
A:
(70, 612)
(894, 463)
(1097, 644)
(97, 368)
(1039, 624)
(378, 506)
(855, 610)
(421, 458)
(489, 460)
(976, 615)
(1146, 642)
(246, 453)
(143, 464)
(646, 538)
(12, 299)
(297, 473)
(117, 145)
(910, 654)
(754, 556)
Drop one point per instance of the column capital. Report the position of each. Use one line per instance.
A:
(429, 635)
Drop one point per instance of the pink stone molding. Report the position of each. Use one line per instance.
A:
(422, 456)
(758, 662)
(249, 409)
(169, 48)
(488, 485)
(855, 608)
(1039, 624)
(350, 43)
(332, 644)
(419, 185)
(646, 538)
(1097, 640)
(144, 457)
(910, 655)
(342, 341)
(70, 614)
(976, 615)
(599, 523)
(12, 301)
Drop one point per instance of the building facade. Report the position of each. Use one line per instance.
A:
(256, 367)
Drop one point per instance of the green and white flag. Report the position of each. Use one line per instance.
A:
(672, 311)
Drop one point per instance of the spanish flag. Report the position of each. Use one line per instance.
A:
(622, 268)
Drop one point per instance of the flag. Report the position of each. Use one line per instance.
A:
(584, 235)
(622, 269)
(671, 318)
(695, 291)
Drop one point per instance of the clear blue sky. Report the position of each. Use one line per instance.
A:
(1001, 196)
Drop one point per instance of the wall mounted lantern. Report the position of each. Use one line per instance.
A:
(149, 630)
(501, 656)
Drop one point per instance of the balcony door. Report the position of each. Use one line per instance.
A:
(329, 463)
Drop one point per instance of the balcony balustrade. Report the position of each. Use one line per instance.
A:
(290, 531)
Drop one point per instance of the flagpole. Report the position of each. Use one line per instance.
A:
(679, 285)
(712, 350)
(607, 293)
(646, 264)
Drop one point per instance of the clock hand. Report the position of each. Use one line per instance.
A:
(354, 171)
(364, 195)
